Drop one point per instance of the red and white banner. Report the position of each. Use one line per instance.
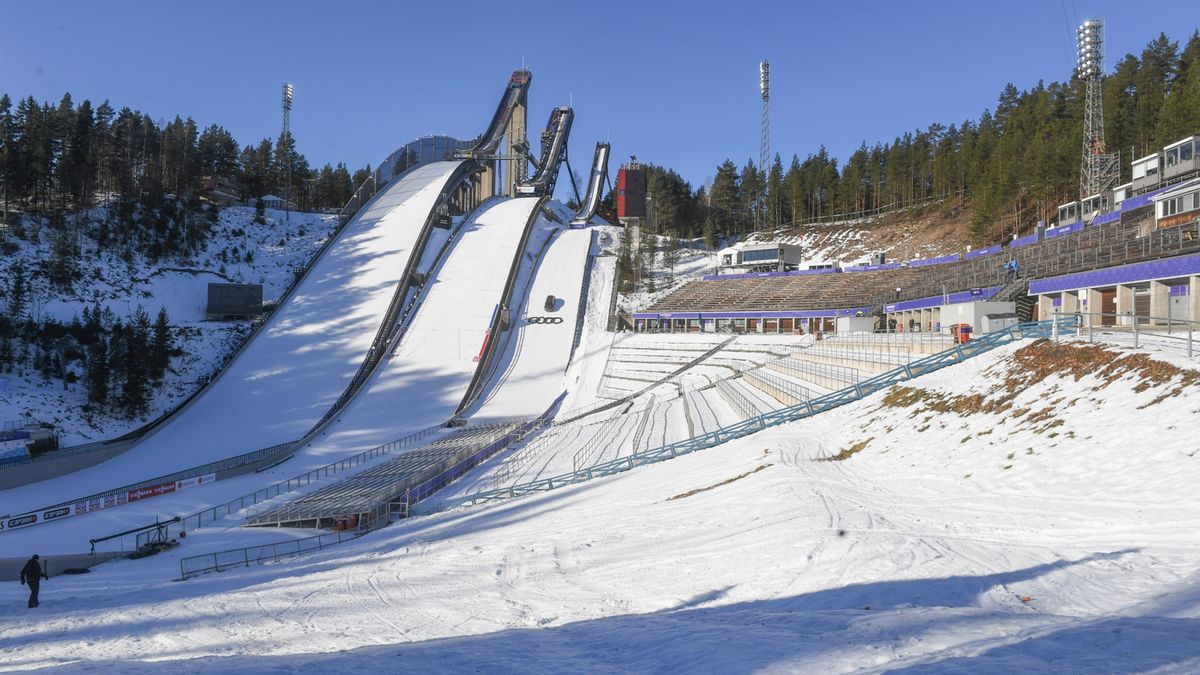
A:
(106, 502)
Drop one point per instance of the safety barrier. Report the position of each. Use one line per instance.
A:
(244, 557)
(957, 354)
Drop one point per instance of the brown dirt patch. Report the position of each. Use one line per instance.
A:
(1038, 361)
(713, 487)
(847, 453)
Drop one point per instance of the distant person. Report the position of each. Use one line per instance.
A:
(32, 575)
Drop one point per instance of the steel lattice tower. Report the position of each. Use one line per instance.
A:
(764, 142)
(1098, 171)
(285, 136)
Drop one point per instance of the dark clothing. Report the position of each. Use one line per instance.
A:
(32, 574)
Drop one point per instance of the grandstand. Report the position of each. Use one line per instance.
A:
(786, 302)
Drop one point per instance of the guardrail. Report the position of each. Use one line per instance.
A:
(736, 399)
(243, 557)
(1161, 331)
(603, 433)
(957, 354)
(781, 389)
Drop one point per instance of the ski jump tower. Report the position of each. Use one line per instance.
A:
(516, 144)
(503, 141)
(1099, 171)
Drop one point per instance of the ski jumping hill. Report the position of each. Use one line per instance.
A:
(294, 370)
(539, 348)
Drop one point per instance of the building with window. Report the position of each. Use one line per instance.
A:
(1178, 205)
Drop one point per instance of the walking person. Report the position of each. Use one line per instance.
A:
(32, 575)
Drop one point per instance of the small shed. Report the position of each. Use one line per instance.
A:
(233, 302)
(973, 314)
(855, 324)
(999, 321)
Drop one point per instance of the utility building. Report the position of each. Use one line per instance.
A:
(230, 302)
(631, 193)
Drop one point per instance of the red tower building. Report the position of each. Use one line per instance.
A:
(631, 193)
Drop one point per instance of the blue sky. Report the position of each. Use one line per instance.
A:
(675, 83)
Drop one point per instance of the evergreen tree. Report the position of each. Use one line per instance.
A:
(162, 345)
(135, 389)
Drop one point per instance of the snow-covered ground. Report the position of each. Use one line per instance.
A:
(1030, 510)
(280, 245)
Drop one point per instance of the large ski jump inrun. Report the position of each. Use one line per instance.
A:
(290, 374)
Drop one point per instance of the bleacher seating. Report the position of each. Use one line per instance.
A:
(363, 491)
(1093, 247)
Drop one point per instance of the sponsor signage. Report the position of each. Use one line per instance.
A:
(976, 292)
(151, 491)
(60, 512)
(198, 480)
(22, 521)
(105, 502)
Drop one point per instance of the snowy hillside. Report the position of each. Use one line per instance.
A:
(238, 250)
(665, 264)
(1018, 512)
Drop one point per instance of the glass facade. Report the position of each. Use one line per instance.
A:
(761, 255)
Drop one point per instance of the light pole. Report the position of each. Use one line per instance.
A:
(286, 137)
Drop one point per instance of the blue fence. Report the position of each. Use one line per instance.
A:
(793, 413)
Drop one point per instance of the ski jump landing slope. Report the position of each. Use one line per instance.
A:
(297, 366)
(422, 382)
(537, 354)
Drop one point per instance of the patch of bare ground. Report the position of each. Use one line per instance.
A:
(1044, 359)
(926, 232)
(847, 453)
(724, 482)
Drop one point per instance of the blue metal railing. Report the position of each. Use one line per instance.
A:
(862, 389)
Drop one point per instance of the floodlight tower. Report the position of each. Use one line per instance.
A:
(1098, 171)
(286, 137)
(764, 141)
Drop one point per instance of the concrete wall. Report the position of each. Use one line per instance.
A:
(1124, 304)
(1194, 299)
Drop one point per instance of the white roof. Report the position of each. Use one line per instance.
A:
(1147, 157)
(1181, 142)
